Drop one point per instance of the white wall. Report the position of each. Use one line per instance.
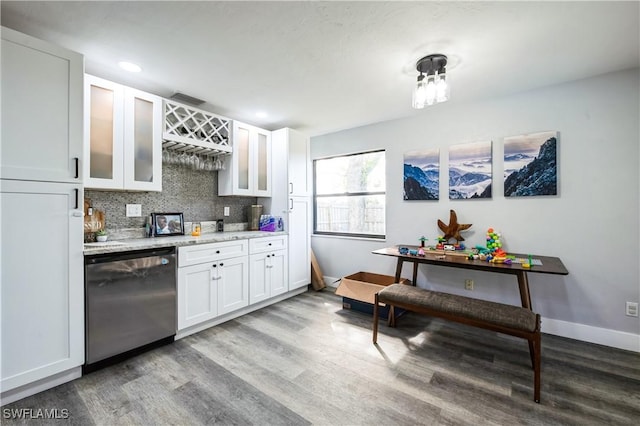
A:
(592, 225)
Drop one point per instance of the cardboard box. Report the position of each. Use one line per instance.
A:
(358, 292)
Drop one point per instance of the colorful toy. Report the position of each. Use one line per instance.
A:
(493, 240)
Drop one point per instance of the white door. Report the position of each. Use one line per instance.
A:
(258, 271)
(42, 280)
(279, 273)
(299, 164)
(41, 110)
(197, 294)
(233, 285)
(299, 242)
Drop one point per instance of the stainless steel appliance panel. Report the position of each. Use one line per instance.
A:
(130, 301)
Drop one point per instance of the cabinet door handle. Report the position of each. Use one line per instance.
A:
(290, 187)
(268, 255)
(217, 251)
(77, 160)
(214, 265)
(290, 203)
(77, 191)
(222, 264)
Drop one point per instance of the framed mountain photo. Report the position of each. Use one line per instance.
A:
(470, 170)
(422, 175)
(530, 165)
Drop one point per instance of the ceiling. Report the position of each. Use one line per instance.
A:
(326, 66)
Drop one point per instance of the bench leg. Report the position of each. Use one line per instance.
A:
(375, 319)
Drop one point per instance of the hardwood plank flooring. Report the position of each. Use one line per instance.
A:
(307, 361)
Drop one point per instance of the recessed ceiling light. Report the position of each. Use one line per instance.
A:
(128, 66)
(261, 114)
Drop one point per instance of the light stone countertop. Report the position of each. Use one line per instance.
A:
(125, 245)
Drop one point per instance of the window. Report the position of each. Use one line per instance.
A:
(349, 195)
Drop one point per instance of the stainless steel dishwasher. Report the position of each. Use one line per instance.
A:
(130, 301)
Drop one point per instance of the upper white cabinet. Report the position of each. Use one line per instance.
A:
(299, 166)
(249, 171)
(123, 137)
(41, 110)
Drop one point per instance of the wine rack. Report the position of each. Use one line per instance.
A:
(196, 131)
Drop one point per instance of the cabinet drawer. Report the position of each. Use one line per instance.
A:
(202, 253)
(261, 245)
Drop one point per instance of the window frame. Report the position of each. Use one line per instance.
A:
(382, 236)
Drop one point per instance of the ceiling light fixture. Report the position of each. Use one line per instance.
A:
(434, 87)
(129, 66)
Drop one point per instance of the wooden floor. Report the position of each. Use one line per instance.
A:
(307, 361)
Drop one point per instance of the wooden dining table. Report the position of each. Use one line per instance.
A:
(548, 265)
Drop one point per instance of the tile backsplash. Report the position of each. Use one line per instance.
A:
(192, 192)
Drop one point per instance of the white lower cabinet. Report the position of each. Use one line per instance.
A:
(197, 295)
(268, 272)
(213, 279)
(42, 282)
(300, 242)
(233, 284)
(219, 278)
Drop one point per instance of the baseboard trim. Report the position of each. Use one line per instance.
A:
(571, 330)
(591, 334)
(39, 386)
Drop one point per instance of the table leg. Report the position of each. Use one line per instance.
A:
(525, 298)
(523, 284)
(415, 273)
(399, 269)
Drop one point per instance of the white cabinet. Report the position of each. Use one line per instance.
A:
(299, 242)
(197, 294)
(291, 199)
(233, 284)
(248, 172)
(213, 279)
(42, 281)
(42, 306)
(41, 110)
(267, 268)
(123, 137)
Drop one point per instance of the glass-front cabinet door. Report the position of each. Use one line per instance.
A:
(123, 137)
(249, 170)
(103, 123)
(243, 157)
(263, 161)
(142, 141)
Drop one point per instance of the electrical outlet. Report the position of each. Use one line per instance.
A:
(468, 284)
(134, 210)
(632, 309)
(226, 210)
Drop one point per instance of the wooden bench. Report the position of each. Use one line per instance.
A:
(507, 319)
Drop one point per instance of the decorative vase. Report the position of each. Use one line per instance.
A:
(101, 238)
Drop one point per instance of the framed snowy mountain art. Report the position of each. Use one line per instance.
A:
(422, 175)
(530, 165)
(470, 168)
